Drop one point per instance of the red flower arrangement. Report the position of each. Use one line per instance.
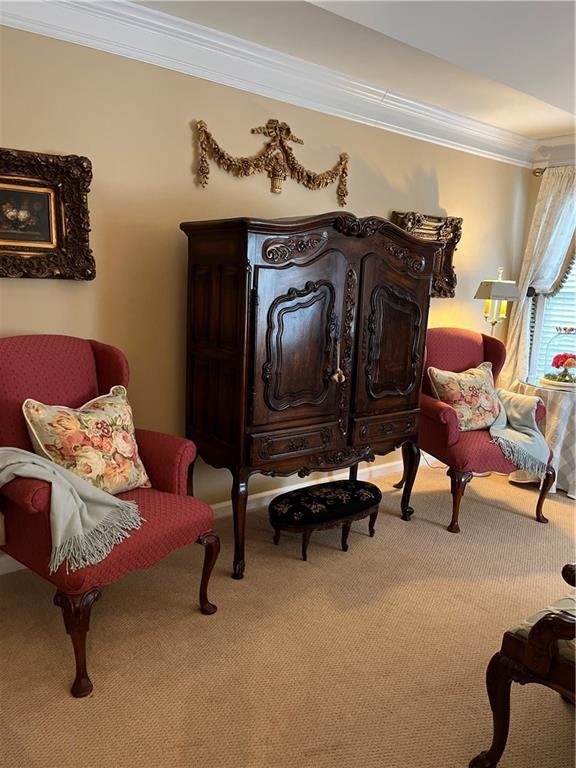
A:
(564, 360)
(566, 363)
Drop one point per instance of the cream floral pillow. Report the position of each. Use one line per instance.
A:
(471, 394)
(95, 441)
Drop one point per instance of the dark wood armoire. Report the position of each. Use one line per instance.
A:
(305, 346)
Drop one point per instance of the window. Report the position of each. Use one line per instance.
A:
(547, 313)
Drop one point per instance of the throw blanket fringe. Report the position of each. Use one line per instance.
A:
(93, 546)
(517, 455)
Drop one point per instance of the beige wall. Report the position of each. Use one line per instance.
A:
(133, 121)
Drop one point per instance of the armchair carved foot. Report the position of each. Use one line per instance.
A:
(76, 611)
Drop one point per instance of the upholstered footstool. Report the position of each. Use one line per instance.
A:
(324, 506)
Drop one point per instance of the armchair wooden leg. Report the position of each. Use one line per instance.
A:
(211, 544)
(547, 483)
(458, 483)
(76, 612)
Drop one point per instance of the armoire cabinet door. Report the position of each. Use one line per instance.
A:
(303, 332)
(392, 328)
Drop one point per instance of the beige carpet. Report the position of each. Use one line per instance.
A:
(370, 658)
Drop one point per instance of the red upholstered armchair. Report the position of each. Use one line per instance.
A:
(455, 349)
(62, 370)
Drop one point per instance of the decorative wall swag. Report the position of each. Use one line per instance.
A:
(44, 222)
(445, 229)
(276, 158)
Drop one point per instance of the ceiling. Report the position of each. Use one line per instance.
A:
(509, 67)
(526, 45)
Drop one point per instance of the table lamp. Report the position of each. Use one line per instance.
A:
(496, 294)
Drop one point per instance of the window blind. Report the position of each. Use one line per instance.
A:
(558, 310)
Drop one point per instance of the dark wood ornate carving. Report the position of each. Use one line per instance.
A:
(277, 251)
(278, 338)
(69, 177)
(322, 296)
(446, 230)
(347, 348)
(401, 305)
(353, 227)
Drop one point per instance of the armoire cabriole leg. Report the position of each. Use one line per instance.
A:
(211, 544)
(411, 457)
(353, 476)
(400, 483)
(547, 483)
(239, 501)
(76, 612)
(458, 482)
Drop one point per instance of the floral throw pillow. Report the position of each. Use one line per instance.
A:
(95, 441)
(471, 394)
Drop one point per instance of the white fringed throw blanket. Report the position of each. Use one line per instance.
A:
(516, 433)
(86, 523)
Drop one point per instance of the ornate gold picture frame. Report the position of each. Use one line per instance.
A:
(447, 230)
(44, 220)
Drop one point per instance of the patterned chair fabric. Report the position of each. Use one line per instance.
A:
(63, 370)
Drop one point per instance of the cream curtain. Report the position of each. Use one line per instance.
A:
(550, 235)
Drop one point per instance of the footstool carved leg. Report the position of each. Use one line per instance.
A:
(276, 538)
(372, 522)
(306, 533)
(345, 532)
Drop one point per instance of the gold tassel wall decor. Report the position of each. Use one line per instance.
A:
(276, 158)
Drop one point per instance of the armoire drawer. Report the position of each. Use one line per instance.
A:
(374, 429)
(289, 443)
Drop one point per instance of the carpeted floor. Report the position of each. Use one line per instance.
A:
(374, 658)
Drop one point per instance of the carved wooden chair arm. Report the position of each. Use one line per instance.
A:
(569, 574)
(542, 648)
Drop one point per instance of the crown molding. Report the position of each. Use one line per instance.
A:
(143, 34)
(555, 151)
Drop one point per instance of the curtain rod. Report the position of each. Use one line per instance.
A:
(538, 171)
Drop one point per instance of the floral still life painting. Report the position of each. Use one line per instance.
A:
(27, 216)
(44, 217)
